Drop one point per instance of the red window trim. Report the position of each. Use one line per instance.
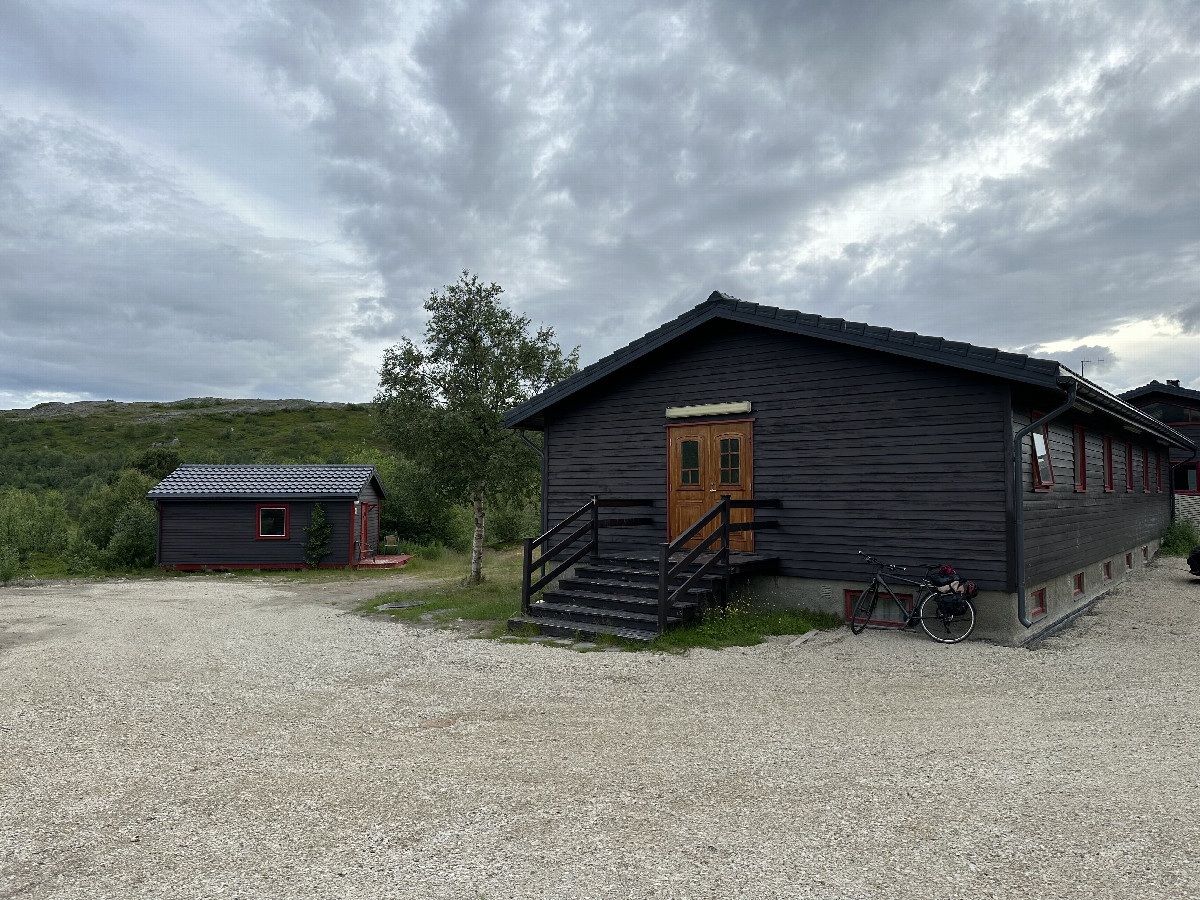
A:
(1157, 472)
(1037, 603)
(851, 595)
(1184, 466)
(287, 522)
(1108, 465)
(1077, 584)
(1106, 572)
(1080, 459)
(1040, 484)
(1128, 467)
(1128, 562)
(1145, 471)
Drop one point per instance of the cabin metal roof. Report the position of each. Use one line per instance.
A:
(1015, 367)
(1166, 390)
(303, 482)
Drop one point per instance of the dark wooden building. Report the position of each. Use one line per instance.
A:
(1178, 407)
(254, 517)
(908, 447)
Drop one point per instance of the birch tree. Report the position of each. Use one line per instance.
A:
(441, 402)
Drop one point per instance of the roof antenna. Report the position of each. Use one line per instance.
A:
(1084, 362)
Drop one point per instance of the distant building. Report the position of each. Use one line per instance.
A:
(1178, 407)
(254, 517)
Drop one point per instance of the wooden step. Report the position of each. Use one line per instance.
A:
(580, 630)
(589, 615)
(624, 588)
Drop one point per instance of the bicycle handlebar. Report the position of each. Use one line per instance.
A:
(876, 562)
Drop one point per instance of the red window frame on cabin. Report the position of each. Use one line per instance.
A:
(1157, 472)
(1080, 459)
(1185, 478)
(258, 521)
(1042, 480)
(1145, 471)
(1077, 584)
(1037, 603)
(1128, 467)
(1108, 465)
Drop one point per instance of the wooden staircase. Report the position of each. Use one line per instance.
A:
(618, 596)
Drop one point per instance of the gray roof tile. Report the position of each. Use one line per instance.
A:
(211, 482)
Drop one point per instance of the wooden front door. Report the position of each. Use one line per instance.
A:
(705, 462)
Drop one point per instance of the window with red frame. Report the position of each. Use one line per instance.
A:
(1158, 472)
(885, 610)
(273, 522)
(1128, 466)
(1106, 575)
(1128, 561)
(1145, 471)
(1043, 468)
(1186, 478)
(1037, 603)
(1077, 584)
(1145, 554)
(1080, 459)
(1108, 464)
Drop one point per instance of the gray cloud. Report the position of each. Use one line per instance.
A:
(1005, 173)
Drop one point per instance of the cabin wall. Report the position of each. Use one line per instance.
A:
(865, 451)
(222, 533)
(1069, 530)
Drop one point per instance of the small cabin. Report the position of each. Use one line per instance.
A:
(1036, 483)
(255, 517)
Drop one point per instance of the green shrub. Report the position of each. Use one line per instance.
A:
(10, 564)
(505, 525)
(318, 532)
(1179, 538)
(135, 537)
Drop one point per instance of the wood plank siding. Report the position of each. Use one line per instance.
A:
(866, 450)
(1066, 529)
(223, 533)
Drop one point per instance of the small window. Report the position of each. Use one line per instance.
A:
(1080, 459)
(1128, 466)
(1145, 471)
(1037, 603)
(731, 461)
(1106, 574)
(1077, 584)
(1157, 472)
(1108, 464)
(1128, 562)
(1186, 478)
(273, 522)
(689, 462)
(886, 614)
(1145, 554)
(1043, 468)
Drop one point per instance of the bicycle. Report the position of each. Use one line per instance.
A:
(947, 618)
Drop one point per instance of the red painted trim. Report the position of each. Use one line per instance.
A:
(1128, 561)
(1157, 472)
(1076, 584)
(1037, 603)
(287, 522)
(1128, 466)
(1041, 484)
(849, 595)
(1145, 471)
(1106, 572)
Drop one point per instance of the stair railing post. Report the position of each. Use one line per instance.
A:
(526, 575)
(725, 581)
(664, 562)
(595, 527)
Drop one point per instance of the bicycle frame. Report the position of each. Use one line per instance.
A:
(923, 589)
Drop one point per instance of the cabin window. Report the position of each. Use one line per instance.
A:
(1128, 561)
(1158, 472)
(1128, 466)
(689, 462)
(1145, 471)
(1080, 459)
(1077, 584)
(1186, 478)
(1043, 468)
(731, 460)
(273, 521)
(1037, 603)
(1106, 572)
(1108, 464)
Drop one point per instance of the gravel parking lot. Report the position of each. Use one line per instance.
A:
(210, 736)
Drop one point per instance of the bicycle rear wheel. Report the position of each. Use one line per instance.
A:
(943, 625)
(864, 608)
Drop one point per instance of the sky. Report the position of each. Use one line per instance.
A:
(253, 198)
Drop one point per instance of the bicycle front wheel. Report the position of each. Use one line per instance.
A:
(942, 623)
(864, 608)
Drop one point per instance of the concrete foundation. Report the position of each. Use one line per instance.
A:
(995, 611)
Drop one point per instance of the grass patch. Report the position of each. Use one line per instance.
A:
(741, 626)
(1179, 539)
(449, 598)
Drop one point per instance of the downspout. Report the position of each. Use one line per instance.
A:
(1019, 500)
(541, 455)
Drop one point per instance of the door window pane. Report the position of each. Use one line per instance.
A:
(731, 460)
(689, 462)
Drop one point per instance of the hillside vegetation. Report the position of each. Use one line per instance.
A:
(73, 477)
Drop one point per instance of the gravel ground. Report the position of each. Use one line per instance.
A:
(208, 736)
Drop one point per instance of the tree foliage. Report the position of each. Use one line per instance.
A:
(441, 403)
(316, 548)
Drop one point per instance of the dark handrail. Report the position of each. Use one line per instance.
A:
(591, 527)
(668, 573)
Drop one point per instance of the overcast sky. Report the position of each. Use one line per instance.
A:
(253, 198)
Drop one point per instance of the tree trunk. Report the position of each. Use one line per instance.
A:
(477, 541)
